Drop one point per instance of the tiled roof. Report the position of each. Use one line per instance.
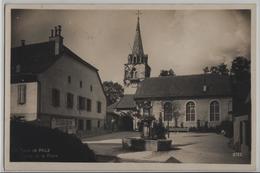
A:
(190, 86)
(111, 108)
(33, 58)
(126, 102)
(36, 58)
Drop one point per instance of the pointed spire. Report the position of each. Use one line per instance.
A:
(138, 46)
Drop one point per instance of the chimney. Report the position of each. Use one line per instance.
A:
(205, 87)
(57, 39)
(23, 42)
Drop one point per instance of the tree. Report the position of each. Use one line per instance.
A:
(220, 69)
(214, 70)
(167, 73)
(206, 70)
(240, 68)
(113, 91)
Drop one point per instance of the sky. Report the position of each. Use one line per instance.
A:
(183, 40)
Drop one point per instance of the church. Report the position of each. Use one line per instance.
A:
(180, 101)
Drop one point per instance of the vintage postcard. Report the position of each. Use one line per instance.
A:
(130, 87)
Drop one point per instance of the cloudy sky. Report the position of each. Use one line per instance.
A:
(184, 40)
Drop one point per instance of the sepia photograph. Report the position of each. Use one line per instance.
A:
(131, 85)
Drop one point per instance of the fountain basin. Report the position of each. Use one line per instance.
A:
(140, 144)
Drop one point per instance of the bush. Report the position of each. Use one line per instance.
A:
(29, 142)
(226, 127)
(159, 131)
(203, 129)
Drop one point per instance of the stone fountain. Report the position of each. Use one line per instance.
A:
(152, 137)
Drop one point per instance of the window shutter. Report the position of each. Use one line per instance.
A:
(78, 102)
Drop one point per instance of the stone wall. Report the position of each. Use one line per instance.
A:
(57, 77)
(201, 111)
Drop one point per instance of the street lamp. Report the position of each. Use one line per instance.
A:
(147, 106)
(168, 112)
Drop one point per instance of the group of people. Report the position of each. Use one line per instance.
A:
(151, 128)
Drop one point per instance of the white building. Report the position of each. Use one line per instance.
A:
(54, 87)
(188, 101)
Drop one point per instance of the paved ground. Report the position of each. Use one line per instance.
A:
(186, 148)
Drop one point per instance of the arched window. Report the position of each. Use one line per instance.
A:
(190, 111)
(135, 60)
(138, 59)
(168, 111)
(135, 74)
(214, 111)
(129, 60)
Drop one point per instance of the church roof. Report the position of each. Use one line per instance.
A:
(190, 86)
(112, 108)
(126, 102)
(138, 46)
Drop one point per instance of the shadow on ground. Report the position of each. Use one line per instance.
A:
(182, 145)
(196, 136)
(114, 159)
(112, 135)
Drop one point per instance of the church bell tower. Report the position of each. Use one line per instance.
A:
(137, 68)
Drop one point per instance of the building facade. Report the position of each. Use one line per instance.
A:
(55, 88)
(180, 101)
(186, 101)
(242, 119)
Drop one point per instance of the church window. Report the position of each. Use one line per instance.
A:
(214, 111)
(190, 111)
(129, 59)
(135, 74)
(138, 59)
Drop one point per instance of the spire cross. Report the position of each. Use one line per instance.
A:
(138, 13)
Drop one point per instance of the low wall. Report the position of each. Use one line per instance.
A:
(140, 144)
